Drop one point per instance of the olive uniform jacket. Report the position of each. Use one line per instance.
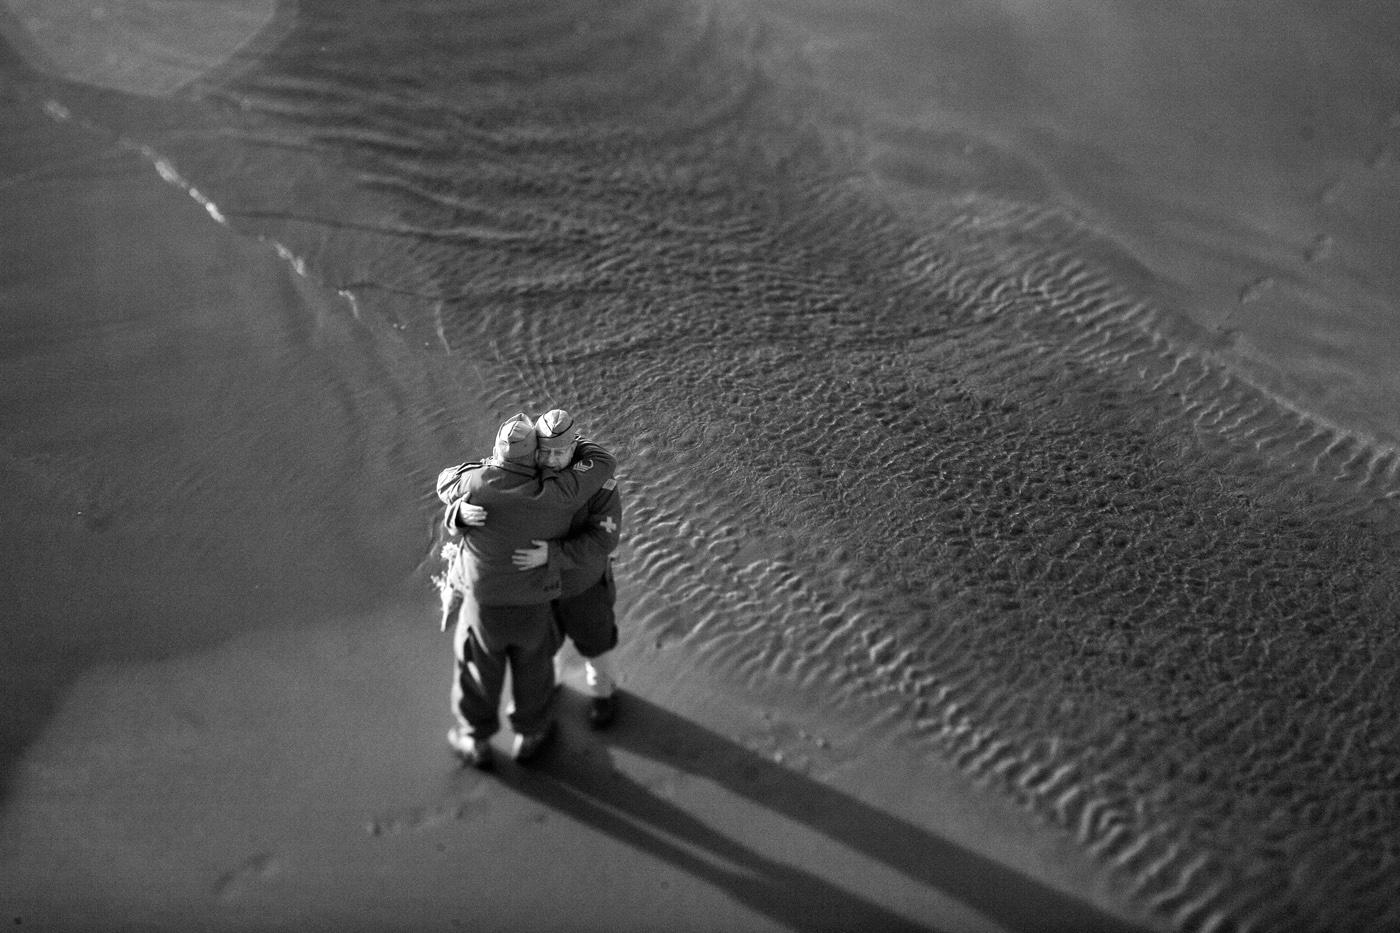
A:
(593, 535)
(522, 506)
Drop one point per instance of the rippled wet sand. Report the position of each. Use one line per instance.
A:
(964, 471)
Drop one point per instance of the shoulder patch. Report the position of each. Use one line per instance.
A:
(583, 466)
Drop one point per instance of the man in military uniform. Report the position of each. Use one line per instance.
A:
(506, 620)
(584, 608)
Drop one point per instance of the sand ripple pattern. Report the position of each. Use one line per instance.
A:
(954, 472)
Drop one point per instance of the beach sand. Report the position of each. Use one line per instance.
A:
(1004, 402)
(225, 690)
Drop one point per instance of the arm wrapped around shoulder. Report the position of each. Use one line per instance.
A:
(461, 515)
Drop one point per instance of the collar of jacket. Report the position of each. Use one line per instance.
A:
(518, 468)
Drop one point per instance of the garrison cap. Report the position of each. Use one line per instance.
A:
(556, 429)
(515, 440)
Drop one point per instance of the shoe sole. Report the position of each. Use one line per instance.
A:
(479, 762)
(525, 754)
(470, 758)
(603, 720)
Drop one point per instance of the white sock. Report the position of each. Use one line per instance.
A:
(597, 674)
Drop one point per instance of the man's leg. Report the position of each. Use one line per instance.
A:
(589, 620)
(476, 686)
(534, 638)
(598, 677)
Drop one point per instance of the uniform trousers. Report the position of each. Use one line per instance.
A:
(491, 640)
(589, 620)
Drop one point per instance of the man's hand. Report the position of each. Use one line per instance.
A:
(470, 515)
(528, 558)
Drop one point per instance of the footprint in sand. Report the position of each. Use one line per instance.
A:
(1253, 290)
(1320, 248)
(1383, 156)
(415, 819)
(1331, 191)
(260, 868)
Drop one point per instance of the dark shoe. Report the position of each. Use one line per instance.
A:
(601, 711)
(474, 752)
(528, 746)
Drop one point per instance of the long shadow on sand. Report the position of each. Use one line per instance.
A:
(584, 784)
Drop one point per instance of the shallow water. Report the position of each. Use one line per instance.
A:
(943, 387)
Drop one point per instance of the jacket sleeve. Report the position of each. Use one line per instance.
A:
(452, 482)
(581, 480)
(598, 537)
(451, 517)
(453, 485)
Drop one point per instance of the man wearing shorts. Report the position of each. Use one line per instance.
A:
(587, 592)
